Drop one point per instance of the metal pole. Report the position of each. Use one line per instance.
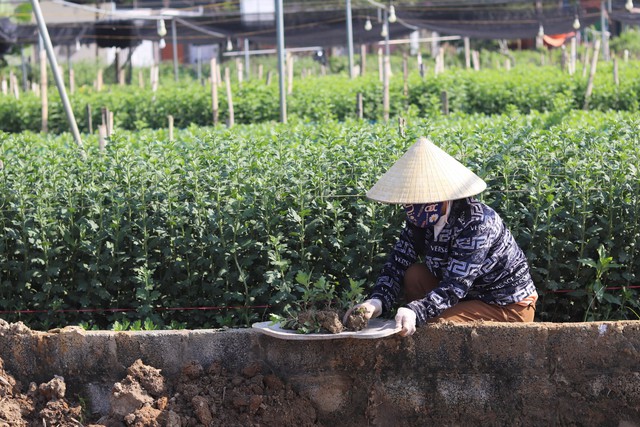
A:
(280, 37)
(174, 42)
(247, 74)
(44, 34)
(350, 38)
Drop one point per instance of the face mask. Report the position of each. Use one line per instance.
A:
(423, 215)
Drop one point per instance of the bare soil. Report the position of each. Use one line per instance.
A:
(200, 396)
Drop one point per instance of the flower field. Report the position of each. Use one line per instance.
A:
(222, 226)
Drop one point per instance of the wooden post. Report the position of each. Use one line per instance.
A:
(269, 75)
(363, 59)
(121, 77)
(260, 71)
(89, 119)
(227, 81)
(214, 90)
(592, 74)
(43, 91)
(170, 119)
(110, 115)
(359, 106)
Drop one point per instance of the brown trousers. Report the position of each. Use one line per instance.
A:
(418, 281)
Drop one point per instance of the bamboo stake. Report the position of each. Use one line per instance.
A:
(420, 65)
(592, 74)
(586, 62)
(385, 85)
(616, 78)
(121, 77)
(363, 59)
(402, 127)
(289, 60)
(110, 115)
(475, 57)
(405, 75)
(155, 78)
(572, 63)
(102, 138)
(214, 90)
(140, 80)
(269, 75)
(13, 85)
(227, 81)
(359, 106)
(260, 71)
(467, 53)
(99, 81)
(380, 65)
(170, 119)
(89, 119)
(43, 91)
(5, 87)
(72, 81)
(444, 99)
(240, 69)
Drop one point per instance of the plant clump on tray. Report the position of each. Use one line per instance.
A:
(322, 308)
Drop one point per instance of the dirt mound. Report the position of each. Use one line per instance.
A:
(42, 405)
(144, 398)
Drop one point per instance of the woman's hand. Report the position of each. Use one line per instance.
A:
(406, 319)
(372, 308)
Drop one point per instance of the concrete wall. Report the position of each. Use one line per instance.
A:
(475, 374)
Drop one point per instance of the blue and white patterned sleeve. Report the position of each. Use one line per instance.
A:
(389, 281)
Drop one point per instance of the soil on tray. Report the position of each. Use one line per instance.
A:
(331, 320)
(199, 396)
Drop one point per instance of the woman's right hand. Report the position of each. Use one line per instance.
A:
(372, 308)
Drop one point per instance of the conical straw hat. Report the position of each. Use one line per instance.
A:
(426, 174)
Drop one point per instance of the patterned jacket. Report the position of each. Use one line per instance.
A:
(475, 257)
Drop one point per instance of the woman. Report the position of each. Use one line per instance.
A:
(455, 260)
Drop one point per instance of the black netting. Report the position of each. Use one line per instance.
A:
(317, 26)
